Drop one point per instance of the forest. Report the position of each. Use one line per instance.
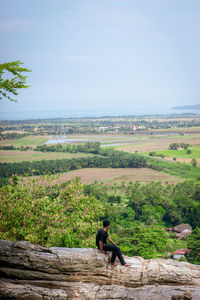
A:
(69, 214)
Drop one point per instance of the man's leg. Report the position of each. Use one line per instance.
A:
(111, 248)
(115, 252)
(119, 255)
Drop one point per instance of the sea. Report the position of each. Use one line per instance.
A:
(54, 114)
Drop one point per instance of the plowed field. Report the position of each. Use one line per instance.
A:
(110, 176)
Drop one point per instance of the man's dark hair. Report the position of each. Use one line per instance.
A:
(106, 223)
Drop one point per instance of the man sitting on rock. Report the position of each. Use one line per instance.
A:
(101, 242)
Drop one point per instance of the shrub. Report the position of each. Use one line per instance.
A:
(152, 153)
(49, 216)
(194, 162)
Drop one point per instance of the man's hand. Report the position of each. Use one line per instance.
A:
(112, 242)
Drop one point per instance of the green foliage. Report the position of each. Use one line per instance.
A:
(194, 162)
(173, 146)
(182, 259)
(176, 146)
(3, 181)
(176, 169)
(12, 135)
(152, 215)
(139, 212)
(146, 241)
(89, 147)
(49, 215)
(18, 81)
(68, 215)
(153, 204)
(152, 153)
(11, 147)
(193, 243)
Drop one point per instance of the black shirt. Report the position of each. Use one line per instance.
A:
(101, 236)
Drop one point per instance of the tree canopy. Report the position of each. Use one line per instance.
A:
(13, 81)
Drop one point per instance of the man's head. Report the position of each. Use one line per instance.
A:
(106, 224)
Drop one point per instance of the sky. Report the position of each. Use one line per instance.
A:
(95, 55)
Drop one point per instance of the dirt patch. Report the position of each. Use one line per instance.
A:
(109, 176)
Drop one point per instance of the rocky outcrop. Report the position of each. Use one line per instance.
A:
(29, 271)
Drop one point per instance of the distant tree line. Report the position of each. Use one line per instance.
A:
(11, 147)
(12, 135)
(89, 147)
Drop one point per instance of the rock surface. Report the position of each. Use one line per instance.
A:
(29, 271)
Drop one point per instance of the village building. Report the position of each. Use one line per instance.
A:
(180, 253)
(102, 128)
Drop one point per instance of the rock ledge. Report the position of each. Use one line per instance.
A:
(31, 272)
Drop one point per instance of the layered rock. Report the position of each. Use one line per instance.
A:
(33, 272)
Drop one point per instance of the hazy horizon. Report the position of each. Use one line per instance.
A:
(113, 55)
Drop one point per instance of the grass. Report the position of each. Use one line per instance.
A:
(19, 156)
(179, 153)
(174, 168)
(27, 141)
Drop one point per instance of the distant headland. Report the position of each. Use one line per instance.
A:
(188, 107)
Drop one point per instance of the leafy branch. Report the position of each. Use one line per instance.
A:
(18, 81)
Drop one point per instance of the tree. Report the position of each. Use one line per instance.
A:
(188, 151)
(173, 146)
(193, 243)
(146, 241)
(49, 215)
(194, 162)
(9, 87)
(152, 153)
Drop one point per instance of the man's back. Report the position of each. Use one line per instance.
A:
(101, 236)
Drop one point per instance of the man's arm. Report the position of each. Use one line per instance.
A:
(101, 247)
(111, 241)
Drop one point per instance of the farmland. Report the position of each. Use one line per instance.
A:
(19, 156)
(26, 141)
(109, 176)
(180, 154)
(157, 134)
(158, 143)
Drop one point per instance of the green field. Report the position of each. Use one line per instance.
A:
(19, 156)
(179, 153)
(27, 141)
